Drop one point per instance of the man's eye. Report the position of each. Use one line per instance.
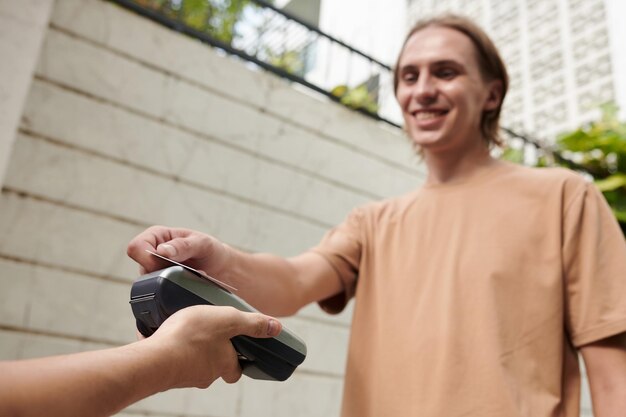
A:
(446, 73)
(409, 77)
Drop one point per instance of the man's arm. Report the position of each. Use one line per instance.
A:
(274, 285)
(605, 362)
(191, 349)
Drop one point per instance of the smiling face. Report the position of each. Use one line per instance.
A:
(441, 91)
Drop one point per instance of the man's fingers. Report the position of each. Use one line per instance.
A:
(147, 240)
(183, 248)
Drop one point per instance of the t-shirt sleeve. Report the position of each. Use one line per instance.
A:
(341, 247)
(594, 266)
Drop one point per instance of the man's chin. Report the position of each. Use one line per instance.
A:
(426, 142)
(432, 146)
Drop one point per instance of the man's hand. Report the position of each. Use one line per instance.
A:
(272, 284)
(195, 249)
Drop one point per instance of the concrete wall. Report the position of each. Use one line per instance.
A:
(21, 33)
(127, 124)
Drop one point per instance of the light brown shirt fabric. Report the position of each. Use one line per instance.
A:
(471, 297)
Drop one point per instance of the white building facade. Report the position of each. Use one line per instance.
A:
(564, 57)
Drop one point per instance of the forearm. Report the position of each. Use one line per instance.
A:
(608, 393)
(97, 383)
(610, 404)
(268, 282)
(605, 361)
(279, 286)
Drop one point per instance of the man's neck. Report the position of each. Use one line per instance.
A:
(447, 167)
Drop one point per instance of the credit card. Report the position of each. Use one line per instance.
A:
(198, 272)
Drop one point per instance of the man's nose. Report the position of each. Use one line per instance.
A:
(425, 89)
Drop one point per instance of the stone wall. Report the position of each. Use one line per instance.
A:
(128, 124)
(21, 33)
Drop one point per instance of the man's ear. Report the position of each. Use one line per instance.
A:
(495, 95)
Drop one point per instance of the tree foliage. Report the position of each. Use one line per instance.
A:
(218, 18)
(597, 149)
(358, 97)
(290, 61)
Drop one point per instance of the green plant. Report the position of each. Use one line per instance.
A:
(215, 17)
(515, 155)
(597, 149)
(600, 149)
(357, 98)
(290, 61)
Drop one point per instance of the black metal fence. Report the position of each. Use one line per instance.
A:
(284, 44)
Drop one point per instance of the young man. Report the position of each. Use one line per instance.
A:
(474, 292)
(191, 349)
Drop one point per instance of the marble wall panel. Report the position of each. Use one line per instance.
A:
(68, 176)
(44, 233)
(63, 303)
(106, 24)
(20, 345)
(22, 30)
(92, 70)
(129, 138)
(15, 300)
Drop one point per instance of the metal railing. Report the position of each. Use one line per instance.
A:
(280, 42)
(284, 44)
(538, 153)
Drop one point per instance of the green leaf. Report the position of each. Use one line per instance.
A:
(598, 149)
(620, 215)
(339, 91)
(513, 155)
(358, 97)
(611, 183)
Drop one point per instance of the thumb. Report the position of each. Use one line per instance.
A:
(256, 325)
(191, 246)
(179, 249)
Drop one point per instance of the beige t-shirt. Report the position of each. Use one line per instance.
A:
(471, 297)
